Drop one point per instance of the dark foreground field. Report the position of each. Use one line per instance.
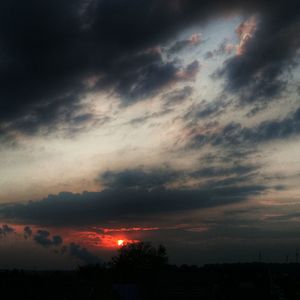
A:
(226, 281)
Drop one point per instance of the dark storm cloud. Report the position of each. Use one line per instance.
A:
(138, 178)
(47, 115)
(48, 51)
(42, 237)
(50, 48)
(136, 77)
(37, 58)
(236, 134)
(158, 178)
(127, 199)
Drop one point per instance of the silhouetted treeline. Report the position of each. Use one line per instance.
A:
(227, 281)
(141, 272)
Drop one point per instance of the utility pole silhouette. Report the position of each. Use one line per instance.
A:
(259, 256)
(287, 258)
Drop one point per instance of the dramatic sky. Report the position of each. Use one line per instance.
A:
(170, 121)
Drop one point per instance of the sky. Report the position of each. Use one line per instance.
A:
(169, 121)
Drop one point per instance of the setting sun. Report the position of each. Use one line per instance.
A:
(120, 243)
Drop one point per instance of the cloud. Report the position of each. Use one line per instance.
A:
(139, 76)
(27, 232)
(138, 178)
(177, 96)
(237, 170)
(6, 230)
(266, 53)
(42, 237)
(132, 229)
(245, 32)
(151, 116)
(45, 239)
(235, 134)
(206, 109)
(190, 72)
(134, 194)
(194, 40)
(50, 49)
(46, 117)
(287, 217)
(83, 254)
(225, 48)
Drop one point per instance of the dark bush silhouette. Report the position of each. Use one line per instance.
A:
(140, 256)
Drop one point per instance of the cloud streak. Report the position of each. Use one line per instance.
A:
(236, 134)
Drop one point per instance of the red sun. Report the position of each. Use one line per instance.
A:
(120, 243)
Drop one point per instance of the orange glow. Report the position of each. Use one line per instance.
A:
(245, 32)
(123, 229)
(94, 238)
(120, 243)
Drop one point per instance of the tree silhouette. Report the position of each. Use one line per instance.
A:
(140, 256)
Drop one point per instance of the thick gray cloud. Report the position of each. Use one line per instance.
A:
(138, 178)
(134, 194)
(50, 48)
(139, 76)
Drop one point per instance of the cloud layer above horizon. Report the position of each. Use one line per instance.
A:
(178, 115)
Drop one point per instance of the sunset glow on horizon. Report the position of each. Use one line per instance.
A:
(170, 121)
(120, 243)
